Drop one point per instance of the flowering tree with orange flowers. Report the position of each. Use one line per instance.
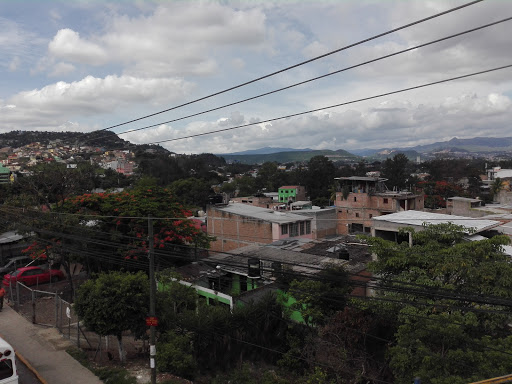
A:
(122, 218)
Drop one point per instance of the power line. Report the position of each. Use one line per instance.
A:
(299, 64)
(318, 77)
(81, 238)
(335, 105)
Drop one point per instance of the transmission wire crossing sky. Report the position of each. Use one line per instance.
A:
(84, 66)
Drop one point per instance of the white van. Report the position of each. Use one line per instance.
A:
(8, 374)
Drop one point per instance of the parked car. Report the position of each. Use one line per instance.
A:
(33, 275)
(20, 261)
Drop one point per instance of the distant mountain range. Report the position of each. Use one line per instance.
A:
(477, 145)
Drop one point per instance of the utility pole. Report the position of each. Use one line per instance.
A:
(152, 297)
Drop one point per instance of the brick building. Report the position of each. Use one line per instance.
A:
(359, 199)
(237, 225)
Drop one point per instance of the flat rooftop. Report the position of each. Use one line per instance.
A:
(418, 218)
(265, 214)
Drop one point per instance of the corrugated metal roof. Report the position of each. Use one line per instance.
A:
(262, 213)
(9, 237)
(503, 173)
(418, 218)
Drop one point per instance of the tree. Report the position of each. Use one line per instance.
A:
(318, 299)
(113, 303)
(496, 187)
(191, 192)
(51, 184)
(448, 296)
(395, 170)
(319, 178)
(122, 218)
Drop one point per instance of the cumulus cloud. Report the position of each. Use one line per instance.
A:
(177, 38)
(54, 104)
(388, 124)
(68, 45)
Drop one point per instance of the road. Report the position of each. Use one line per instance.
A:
(25, 375)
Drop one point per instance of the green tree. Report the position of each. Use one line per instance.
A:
(496, 187)
(319, 178)
(175, 355)
(113, 303)
(396, 171)
(191, 192)
(269, 177)
(318, 299)
(446, 293)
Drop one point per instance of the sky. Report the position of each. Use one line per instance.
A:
(89, 65)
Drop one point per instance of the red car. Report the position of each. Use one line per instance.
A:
(32, 276)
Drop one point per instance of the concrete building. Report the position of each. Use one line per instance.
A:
(291, 193)
(237, 225)
(360, 199)
(5, 174)
(261, 201)
(388, 226)
(464, 206)
(248, 273)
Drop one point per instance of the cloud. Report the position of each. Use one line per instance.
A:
(177, 38)
(314, 49)
(14, 64)
(52, 105)
(62, 69)
(68, 45)
(388, 124)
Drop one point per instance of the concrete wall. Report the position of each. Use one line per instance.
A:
(324, 222)
(357, 211)
(234, 231)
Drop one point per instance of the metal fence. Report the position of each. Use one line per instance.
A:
(49, 309)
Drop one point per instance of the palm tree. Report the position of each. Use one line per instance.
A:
(496, 187)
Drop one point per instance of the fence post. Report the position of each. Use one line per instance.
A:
(56, 312)
(17, 297)
(33, 307)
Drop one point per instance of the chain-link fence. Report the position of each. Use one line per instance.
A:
(49, 308)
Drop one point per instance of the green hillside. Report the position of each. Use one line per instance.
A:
(293, 156)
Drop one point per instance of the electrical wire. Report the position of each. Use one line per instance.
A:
(315, 78)
(437, 291)
(299, 64)
(335, 105)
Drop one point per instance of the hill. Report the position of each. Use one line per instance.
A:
(290, 156)
(101, 139)
(474, 145)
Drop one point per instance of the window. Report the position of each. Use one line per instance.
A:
(294, 230)
(284, 229)
(385, 201)
(355, 198)
(371, 215)
(308, 227)
(301, 228)
(6, 370)
(357, 214)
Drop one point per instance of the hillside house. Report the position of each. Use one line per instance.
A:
(359, 199)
